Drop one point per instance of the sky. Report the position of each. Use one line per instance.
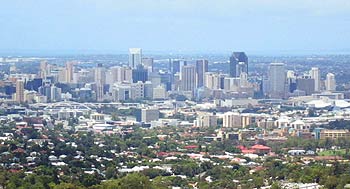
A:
(206, 26)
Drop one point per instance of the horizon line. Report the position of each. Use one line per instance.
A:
(89, 52)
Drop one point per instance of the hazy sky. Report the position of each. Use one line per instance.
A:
(175, 25)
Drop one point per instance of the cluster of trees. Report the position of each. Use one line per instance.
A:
(311, 144)
(335, 176)
(39, 180)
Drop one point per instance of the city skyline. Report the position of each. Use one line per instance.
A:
(181, 94)
(91, 27)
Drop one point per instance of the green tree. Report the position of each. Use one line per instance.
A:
(67, 186)
(135, 181)
(275, 185)
(110, 172)
(89, 179)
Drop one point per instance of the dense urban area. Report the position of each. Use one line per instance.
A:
(141, 120)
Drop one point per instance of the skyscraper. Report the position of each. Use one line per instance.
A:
(201, 68)
(148, 64)
(177, 65)
(69, 71)
(188, 78)
(330, 82)
(55, 94)
(139, 74)
(100, 81)
(238, 64)
(315, 74)
(121, 74)
(43, 69)
(306, 84)
(212, 80)
(19, 91)
(277, 80)
(135, 57)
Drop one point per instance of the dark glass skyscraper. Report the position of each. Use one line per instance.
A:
(201, 68)
(238, 64)
(177, 65)
(139, 74)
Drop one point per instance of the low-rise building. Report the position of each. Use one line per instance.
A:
(334, 133)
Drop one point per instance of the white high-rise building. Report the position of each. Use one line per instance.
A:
(120, 74)
(212, 80)
(232, 84)
(206, 120)
(277, 80)
(159, 92)
(135, 57)
(55, 93)
(232, 119)
(124, 74)
(137, 90)
(315, 74)
(188, 78)
(121, 92)
(330, 82)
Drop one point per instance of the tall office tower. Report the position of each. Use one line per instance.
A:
(155, 79)
(123, 74)
(330, 82)
(19, 91)
(188, 78)
(169, 65)
(238, 64)
(137, 90)
(277, 80)
(61, 75)
(43, 69)
(148, 90)
(110, 75)
(177, 65)
(212, 80)
(159, 92)
(69, 71)
(100, 81)
(291, 81)
(55, 94)
(201, 68)
(315, 74)
(306, 84)
(166, 79)
(139, 74)
(148, 64)
(232, 84)
(135, 57)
